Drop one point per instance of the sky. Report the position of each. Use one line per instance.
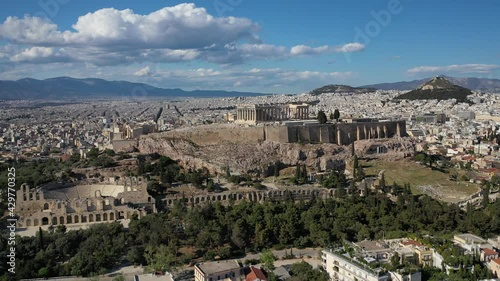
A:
(268, 46)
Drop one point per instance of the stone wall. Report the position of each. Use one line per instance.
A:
(82, 204)
(251, 196)
(207, 135)
(346, 133)
(341, 133)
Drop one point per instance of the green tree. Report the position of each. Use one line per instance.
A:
(267, 258)
(336, 115)
(160, 258)
(276, 170)
(355, 162)
(321, 117)
(382, 183)
(93, 153)
(486, 195)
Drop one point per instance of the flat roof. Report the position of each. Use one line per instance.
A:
(471, 238)
(210, 268)
(372, 246)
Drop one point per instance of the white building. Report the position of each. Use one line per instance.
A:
(228, 270)
(340, 267)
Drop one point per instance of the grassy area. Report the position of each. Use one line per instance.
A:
(417, 175)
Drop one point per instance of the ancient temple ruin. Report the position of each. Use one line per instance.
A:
(259, 113)
(83, 204)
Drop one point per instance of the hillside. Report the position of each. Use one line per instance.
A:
(340, 89)
(71, 88)
(438, 88)
(474, 84)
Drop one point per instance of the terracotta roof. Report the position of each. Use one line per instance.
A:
(497, 261)
(489, 252)
(255, 274)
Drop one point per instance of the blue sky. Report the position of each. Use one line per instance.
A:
(250, 45)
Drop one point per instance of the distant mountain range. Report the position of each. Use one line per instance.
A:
(474, 84)
(341, 89)
(71, 88)
(439, 88)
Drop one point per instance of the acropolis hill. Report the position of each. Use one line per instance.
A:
(294, 132)
(290, 141)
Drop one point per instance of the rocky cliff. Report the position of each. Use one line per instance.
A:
(248, 157)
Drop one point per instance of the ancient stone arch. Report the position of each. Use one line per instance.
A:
(28, 222)
(76, 219)
(91, 217)
(45, 221)
(97, 217)
(69, 219)
(111, 216)
(46, 206)
(35, 222)
(61, 220)
(54, 221)
(84, 219)
(105, 217)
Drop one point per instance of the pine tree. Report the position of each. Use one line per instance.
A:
(355, 162)
(353, 151)
(297, 172)
(276, 169)
(40, 238)
(336, 115)
(322, 117)
(486, 195)
(304, 173)
(382, 182)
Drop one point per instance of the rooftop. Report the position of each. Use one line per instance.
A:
(256, 273)
(372, 246)
(470, 238)
(210, 268)
(489, 252)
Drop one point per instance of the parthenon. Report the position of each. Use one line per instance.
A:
(258, 113)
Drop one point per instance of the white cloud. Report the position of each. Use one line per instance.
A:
(146, 71)
(264, 80)
(350, 48)
(307, 50)
(175, 34)
(256, 79)
(179, 27)
(456, 68)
